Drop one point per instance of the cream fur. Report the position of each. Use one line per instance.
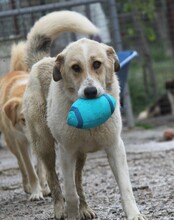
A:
(47, 28)
(62, 21)
(18, 57)
(46, 104)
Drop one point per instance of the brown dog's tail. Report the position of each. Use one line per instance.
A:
(17, 62)
(47, 28)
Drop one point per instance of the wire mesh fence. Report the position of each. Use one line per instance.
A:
(145, 26)
(148, 27)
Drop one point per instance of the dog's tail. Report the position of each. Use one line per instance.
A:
(17, 61)
(47, 28)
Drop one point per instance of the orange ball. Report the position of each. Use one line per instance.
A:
(169, 134)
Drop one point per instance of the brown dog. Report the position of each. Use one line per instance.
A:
(12, 122)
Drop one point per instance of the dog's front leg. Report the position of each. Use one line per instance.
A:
(68, 162)
(85, 211)
(117, 160)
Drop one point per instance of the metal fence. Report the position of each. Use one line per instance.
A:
(145, 26)
(17, 17)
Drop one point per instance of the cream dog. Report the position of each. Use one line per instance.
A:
(84, 69)
(35, 98)
(12, 122)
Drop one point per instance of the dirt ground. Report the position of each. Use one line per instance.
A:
(151, 165)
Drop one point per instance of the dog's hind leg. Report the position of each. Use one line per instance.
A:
(85, 211)
(41, 172)
(117, 160)
(43, 144)
(25, 152)
(14, 148)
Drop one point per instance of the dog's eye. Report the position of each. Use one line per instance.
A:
(96, 64)
(76, 68)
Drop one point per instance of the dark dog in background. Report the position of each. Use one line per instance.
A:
(163, 106)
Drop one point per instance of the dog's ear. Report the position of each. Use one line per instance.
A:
(56, 74)
(57, 68)
(116, 66)
(10, 109)
(113, 56)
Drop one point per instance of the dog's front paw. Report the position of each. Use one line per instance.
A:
(36, 192)
(36, 196)
(87, 213)
(138, 217)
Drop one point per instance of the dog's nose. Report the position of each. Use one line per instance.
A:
(90, 92)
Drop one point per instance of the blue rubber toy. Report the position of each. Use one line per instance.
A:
(90, 113)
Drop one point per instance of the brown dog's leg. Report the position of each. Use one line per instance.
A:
(14, 148)
(85, 211)
(25, 152)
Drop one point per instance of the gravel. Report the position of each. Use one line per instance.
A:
(151, 165)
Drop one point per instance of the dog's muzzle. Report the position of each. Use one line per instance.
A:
(90, 92)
